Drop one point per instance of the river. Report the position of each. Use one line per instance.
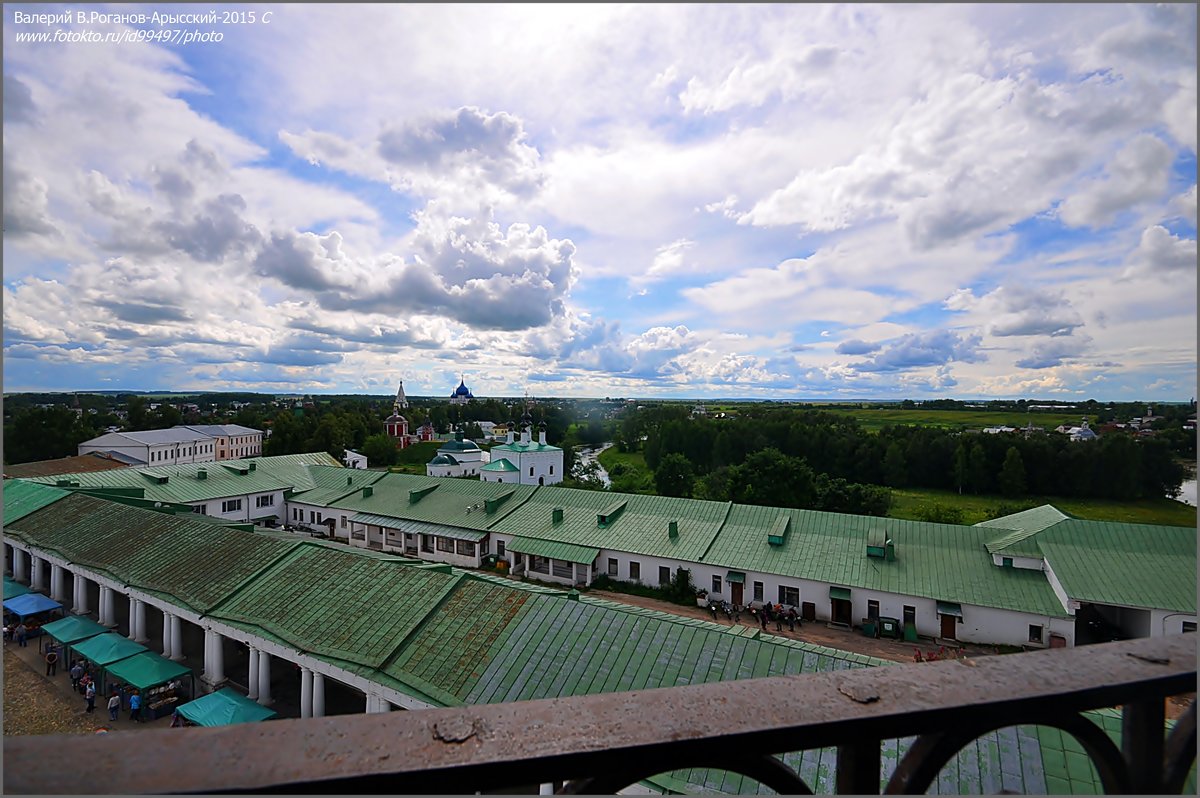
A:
(589, 455)
(1187, 492)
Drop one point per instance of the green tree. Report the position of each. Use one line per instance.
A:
(977, 473)
(961, 469)
(380, 450)
(895, 468)
(770, 477)
(136, 407)
(674, 476)
(1012, 474)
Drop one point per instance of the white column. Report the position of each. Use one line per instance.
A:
(546, 788)
(318, 695)
(214, 657)
(35, 572)
(81, 602)
(370, 708)
(376, 704)
(140, 617)
(252, 677)
(7, 569)
(56, 582)
(133, 619)
(264, 678)
(106, 606)
(20, 565)
(166, 652)
(306, 697)
(176, 638)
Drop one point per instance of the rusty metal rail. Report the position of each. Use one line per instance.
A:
(602, 743)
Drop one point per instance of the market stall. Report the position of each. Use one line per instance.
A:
(223, 708)
(73, 629)
(159, 680)
(13, 588)
(104, 650)
(32, 609)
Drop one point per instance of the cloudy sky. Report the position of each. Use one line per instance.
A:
(792, 201)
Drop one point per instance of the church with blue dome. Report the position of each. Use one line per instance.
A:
(462, 394)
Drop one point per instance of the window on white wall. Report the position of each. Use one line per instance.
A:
(635, 570)
(612, 566)
(873, 610)
(1035, 633)
(789, 595)
(758, 591)
(231, 505)
(1189, 626)
(664, 575)
(716, 584)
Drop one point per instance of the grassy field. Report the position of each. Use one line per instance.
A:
(913, 503)
(876, 419)
(610, 457)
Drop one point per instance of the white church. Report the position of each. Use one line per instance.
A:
(525, 461)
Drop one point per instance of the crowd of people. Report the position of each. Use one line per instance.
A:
(763, 614)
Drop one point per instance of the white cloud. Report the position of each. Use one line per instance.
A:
(1136, 174)
(1163, 253)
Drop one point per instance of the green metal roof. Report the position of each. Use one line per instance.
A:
(337, 603)
(222, 479)
(532, 446)
(1019, 527)
(936, 561)
(556, 551)
(22, 498)
(452, 502)
(643, 527)
(500, 465)
(1132, 565)
(197, 564)
(330, 483)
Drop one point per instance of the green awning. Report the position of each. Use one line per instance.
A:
(567, 552)
(839, 593)
(147, 670)
(223, 708)
(108, 648)
(737, 577)
(949, 608)
(12, 589)
(73, 628)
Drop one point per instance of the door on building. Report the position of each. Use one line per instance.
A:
(735, 592)
(841, 611)
(808, 611)
(948, 630)
(1058, 641)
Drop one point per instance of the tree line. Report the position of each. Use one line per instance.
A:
(1115, 466)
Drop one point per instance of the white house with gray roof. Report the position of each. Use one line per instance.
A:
(156, 447)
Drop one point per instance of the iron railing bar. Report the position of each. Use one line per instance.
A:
(568, 738)
(1180, 752)
(1142, 743)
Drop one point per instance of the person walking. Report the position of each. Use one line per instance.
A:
(765, 616)
(52, 661)
(135, 707)
(114, 706)
(76, 674)
(791, 616)
(90, 695)
(22, 634)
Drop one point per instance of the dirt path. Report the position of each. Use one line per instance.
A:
(34, 705)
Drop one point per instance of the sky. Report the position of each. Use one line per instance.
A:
(766, 201)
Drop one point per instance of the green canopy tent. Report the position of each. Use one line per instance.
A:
(103, 650)
(13, 588)
(146, 671)
(223, 708)
(73, 629)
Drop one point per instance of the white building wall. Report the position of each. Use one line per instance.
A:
(1028, 563)
(1168, 622)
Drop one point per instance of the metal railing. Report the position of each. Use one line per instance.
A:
(603, 743)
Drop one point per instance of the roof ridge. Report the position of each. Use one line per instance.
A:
(717, 533)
